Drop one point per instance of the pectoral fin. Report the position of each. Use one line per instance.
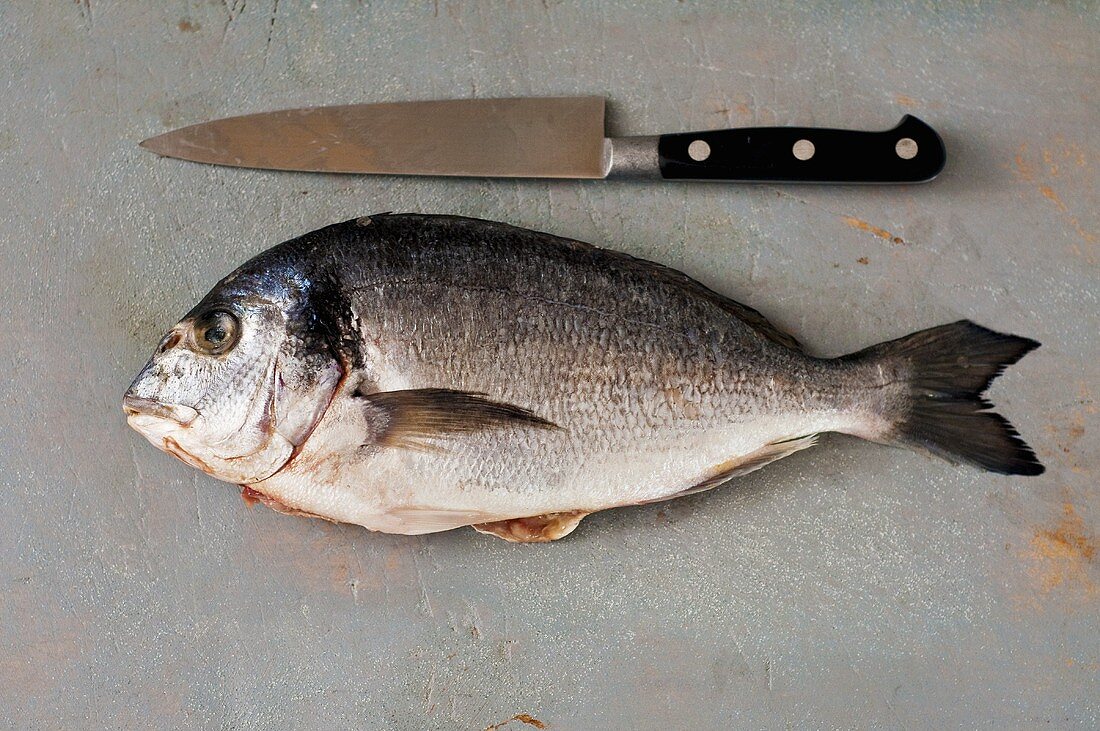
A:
(535, 529)
(411, 418)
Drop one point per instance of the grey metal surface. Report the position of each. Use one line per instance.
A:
(632, 158)
(532, 137)
(849, 586)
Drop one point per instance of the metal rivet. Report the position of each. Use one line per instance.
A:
(906, 148)
(803, 149)
(698, 150)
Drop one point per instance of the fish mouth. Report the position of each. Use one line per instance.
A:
(138, 406)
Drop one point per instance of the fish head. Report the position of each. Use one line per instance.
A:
(240, 382)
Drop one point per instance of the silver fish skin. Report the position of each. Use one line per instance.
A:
(417, 373)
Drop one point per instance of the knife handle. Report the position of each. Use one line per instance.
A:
(912, 152)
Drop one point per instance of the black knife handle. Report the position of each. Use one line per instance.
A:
(912, 152)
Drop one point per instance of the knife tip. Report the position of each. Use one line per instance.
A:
(154, 144)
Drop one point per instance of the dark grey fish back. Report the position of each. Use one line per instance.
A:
(478, 253)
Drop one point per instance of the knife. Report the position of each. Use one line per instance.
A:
(547, 137)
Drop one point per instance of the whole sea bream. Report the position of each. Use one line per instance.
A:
(416, 373)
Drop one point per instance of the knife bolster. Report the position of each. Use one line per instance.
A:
(631, 158)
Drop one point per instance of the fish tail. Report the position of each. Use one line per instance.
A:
(933, 402)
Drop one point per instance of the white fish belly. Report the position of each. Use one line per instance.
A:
(502, 474)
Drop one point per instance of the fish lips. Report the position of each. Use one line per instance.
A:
(137, 408)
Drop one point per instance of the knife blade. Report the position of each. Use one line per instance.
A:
(547, 137)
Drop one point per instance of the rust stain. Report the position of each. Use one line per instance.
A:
(1084, 233)
(186, 26)
(1048, 158)
(1063, 156)
(1066, 428)
(863, 260)
(862, 225)
(906, 101)
(314, 561)
(1062, 556)
(1070, 153)
(34, 669)
(1068, 432)
(1050, 195)
(526, 718)
(395, 561)
(1069, 536)
(1024, 170)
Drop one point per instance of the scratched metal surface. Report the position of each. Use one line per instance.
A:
(852, 585)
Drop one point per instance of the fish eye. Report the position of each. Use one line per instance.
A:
(216, 332)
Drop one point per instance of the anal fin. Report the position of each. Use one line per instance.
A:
(534, 529)
(749, 463)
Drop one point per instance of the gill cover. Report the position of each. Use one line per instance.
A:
(256, 382)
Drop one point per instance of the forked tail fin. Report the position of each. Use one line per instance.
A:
(946, 369)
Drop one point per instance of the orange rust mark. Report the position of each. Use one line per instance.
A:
(186, 26)
(1068, 435)
(1085, 398)
(1082, 231)
(1024, 169)
(1048, 158)
(395, 559)
(874, 230)
(906, 101)
(863, 260)
(526, 718)
(1068, 538)
(1050, 195)
(1054, 161)
(1062, 555)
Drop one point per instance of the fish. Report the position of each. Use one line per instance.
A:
(416, 373)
